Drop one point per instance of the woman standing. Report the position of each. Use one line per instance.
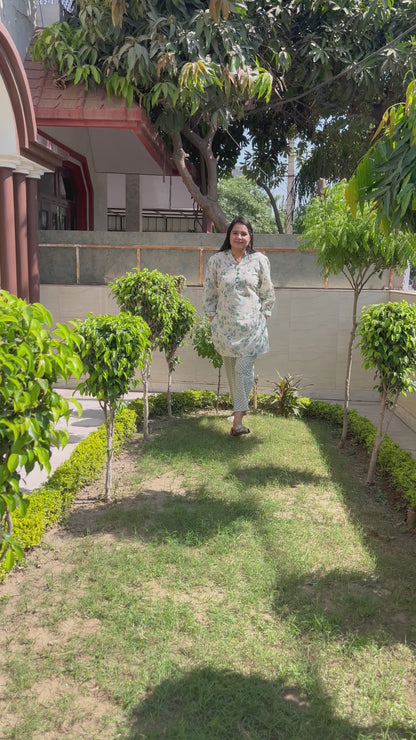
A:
(239, 297)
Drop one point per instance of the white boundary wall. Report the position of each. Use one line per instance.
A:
(309, 332)
(406, 407)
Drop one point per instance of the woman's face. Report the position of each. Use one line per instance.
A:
(239, 237)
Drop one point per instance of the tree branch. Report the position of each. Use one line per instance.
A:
(204, 146)
(272, 200)
(208, 203)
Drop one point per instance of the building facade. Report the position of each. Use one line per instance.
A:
(23, 161)
(70, 158)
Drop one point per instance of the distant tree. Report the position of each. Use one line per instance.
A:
(388, 345)
(203, 344)
(333, 150)
(351, 245)
(115, 348)
(32, 359)
(239, 196)
(182, 324)
(265, 164)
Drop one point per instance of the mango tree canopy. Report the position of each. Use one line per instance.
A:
(387, 173)
(213, 75)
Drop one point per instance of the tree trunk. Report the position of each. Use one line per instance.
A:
(168, 395)
(273, 203)
(109, 425)
(392, 411)
(217, 405)
(145, 378)
(207, 202)
(290, 188)
(378, 440)
(255, 385)
(349, 368)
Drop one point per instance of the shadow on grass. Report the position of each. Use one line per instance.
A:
(209, 704)
(259, 476)
(195, 514)
(379, 607)
(339, 604)
(191, 519)
(342, 602)
(200, 440)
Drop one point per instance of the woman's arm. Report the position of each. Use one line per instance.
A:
(266, 289)
(210, 290)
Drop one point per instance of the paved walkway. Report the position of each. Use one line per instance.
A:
(79, 427)
(92, 417)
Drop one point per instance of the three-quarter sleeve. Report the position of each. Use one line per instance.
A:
(266, 288)
(210, 289)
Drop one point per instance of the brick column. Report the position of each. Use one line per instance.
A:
(20, 219)
(32, 239)
(8, 266)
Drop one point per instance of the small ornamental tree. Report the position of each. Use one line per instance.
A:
(115, 346)
(203, 344)
(32, 359)
(388, 344)
(154, 297)
(352, 244)
(181, 326)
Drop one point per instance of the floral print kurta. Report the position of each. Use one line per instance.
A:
(239, 295)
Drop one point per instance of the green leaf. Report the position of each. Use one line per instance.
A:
(43, 457)
(12, 462)
(78, 75)
(9, 559)
(352, 195)
(24, 505)
(9, 500)
(96, 74)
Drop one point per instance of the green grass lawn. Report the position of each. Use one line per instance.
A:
(247, 587)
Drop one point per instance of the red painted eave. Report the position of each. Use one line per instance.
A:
(17, 88)
(75, 106)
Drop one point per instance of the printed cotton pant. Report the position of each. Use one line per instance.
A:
(240, 376)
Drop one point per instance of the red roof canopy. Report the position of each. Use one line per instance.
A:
(76, 106)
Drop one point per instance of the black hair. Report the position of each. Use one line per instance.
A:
(245, 222)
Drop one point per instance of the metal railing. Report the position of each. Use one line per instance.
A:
(179, 220)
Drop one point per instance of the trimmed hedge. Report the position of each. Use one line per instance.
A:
(51, 503)
(187, 401)
(183, 402)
